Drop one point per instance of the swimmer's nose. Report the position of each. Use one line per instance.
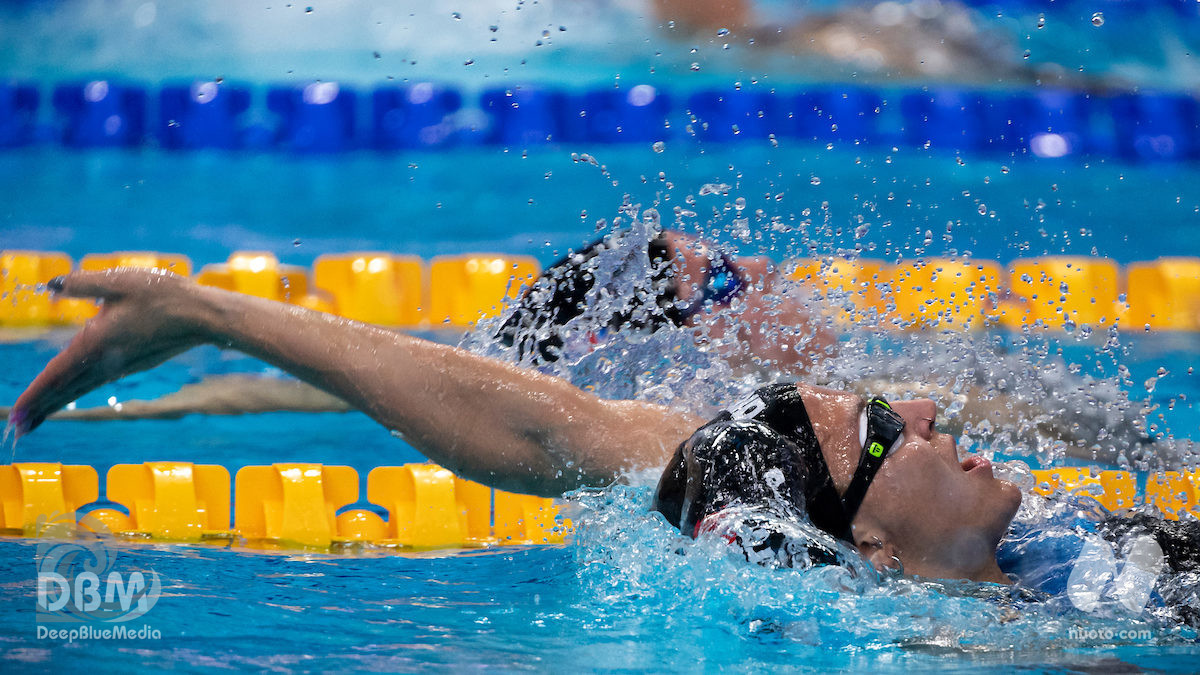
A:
(918, 416)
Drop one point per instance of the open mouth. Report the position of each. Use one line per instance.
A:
(977, 463)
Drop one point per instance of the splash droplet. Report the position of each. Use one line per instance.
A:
(659, 146)
(815, 180)
(695, 66)
(1098, 19)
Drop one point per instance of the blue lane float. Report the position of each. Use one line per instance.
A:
(1153, 127)
(18, 106)
(524, 115)
(835, 114)
(420, 115)
(202, 115)
(946, 119)
(318, 117)
(730, 115)
(327, 117)
(101, 114)
(639, 114)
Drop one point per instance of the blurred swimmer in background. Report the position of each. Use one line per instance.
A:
(742, 309)
(926, 39)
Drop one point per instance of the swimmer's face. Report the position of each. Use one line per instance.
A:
(941, 517)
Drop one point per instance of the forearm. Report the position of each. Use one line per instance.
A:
(484, 419)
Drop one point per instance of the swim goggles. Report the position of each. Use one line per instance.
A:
(828, 511)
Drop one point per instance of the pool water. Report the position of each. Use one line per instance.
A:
(619, 595)
(626, 593)
(878, 202)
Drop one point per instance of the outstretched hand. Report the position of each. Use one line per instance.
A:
(145, 318)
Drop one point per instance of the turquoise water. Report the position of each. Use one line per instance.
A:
(619, 596)
(544, 201)
(626, 593)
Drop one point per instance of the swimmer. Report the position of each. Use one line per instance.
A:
(875, 475)
(943, 40)
(724, 299)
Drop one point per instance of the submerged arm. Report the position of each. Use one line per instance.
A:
(486, 420)
(235, 394)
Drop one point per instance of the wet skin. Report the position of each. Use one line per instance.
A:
(941, 517)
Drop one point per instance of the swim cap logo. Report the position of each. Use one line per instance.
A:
(1094, 575)
(77, 579)
(748, 407)
(876, 449)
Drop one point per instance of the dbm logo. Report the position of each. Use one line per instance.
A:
(77, 579)
(1095, 576)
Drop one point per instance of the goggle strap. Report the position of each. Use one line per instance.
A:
(876, 449)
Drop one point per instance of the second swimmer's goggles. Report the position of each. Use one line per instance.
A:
(828, 511)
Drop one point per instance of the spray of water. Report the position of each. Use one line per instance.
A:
(1032, 395)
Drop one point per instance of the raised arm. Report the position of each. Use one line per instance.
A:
(484, 419)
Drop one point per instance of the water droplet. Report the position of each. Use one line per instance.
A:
(983, 209)
(1098, 19)
(659, 146)
(740, 204)
(1041, 22)
(308, 10)
(457, 16)
(1004, 169)
(469, 62)
(815, 180)
(723, 32)
(695, 66)
(295, 242)
(1026, 54)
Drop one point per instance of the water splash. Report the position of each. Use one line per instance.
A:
(1031, 394)
(631, 562)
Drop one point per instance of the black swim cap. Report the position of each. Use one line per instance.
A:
(762, 448)
(559, 294)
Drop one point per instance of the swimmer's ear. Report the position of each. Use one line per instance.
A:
(875, 547)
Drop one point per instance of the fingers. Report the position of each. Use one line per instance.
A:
(98, 354)
(65, 378)
(105, 284)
